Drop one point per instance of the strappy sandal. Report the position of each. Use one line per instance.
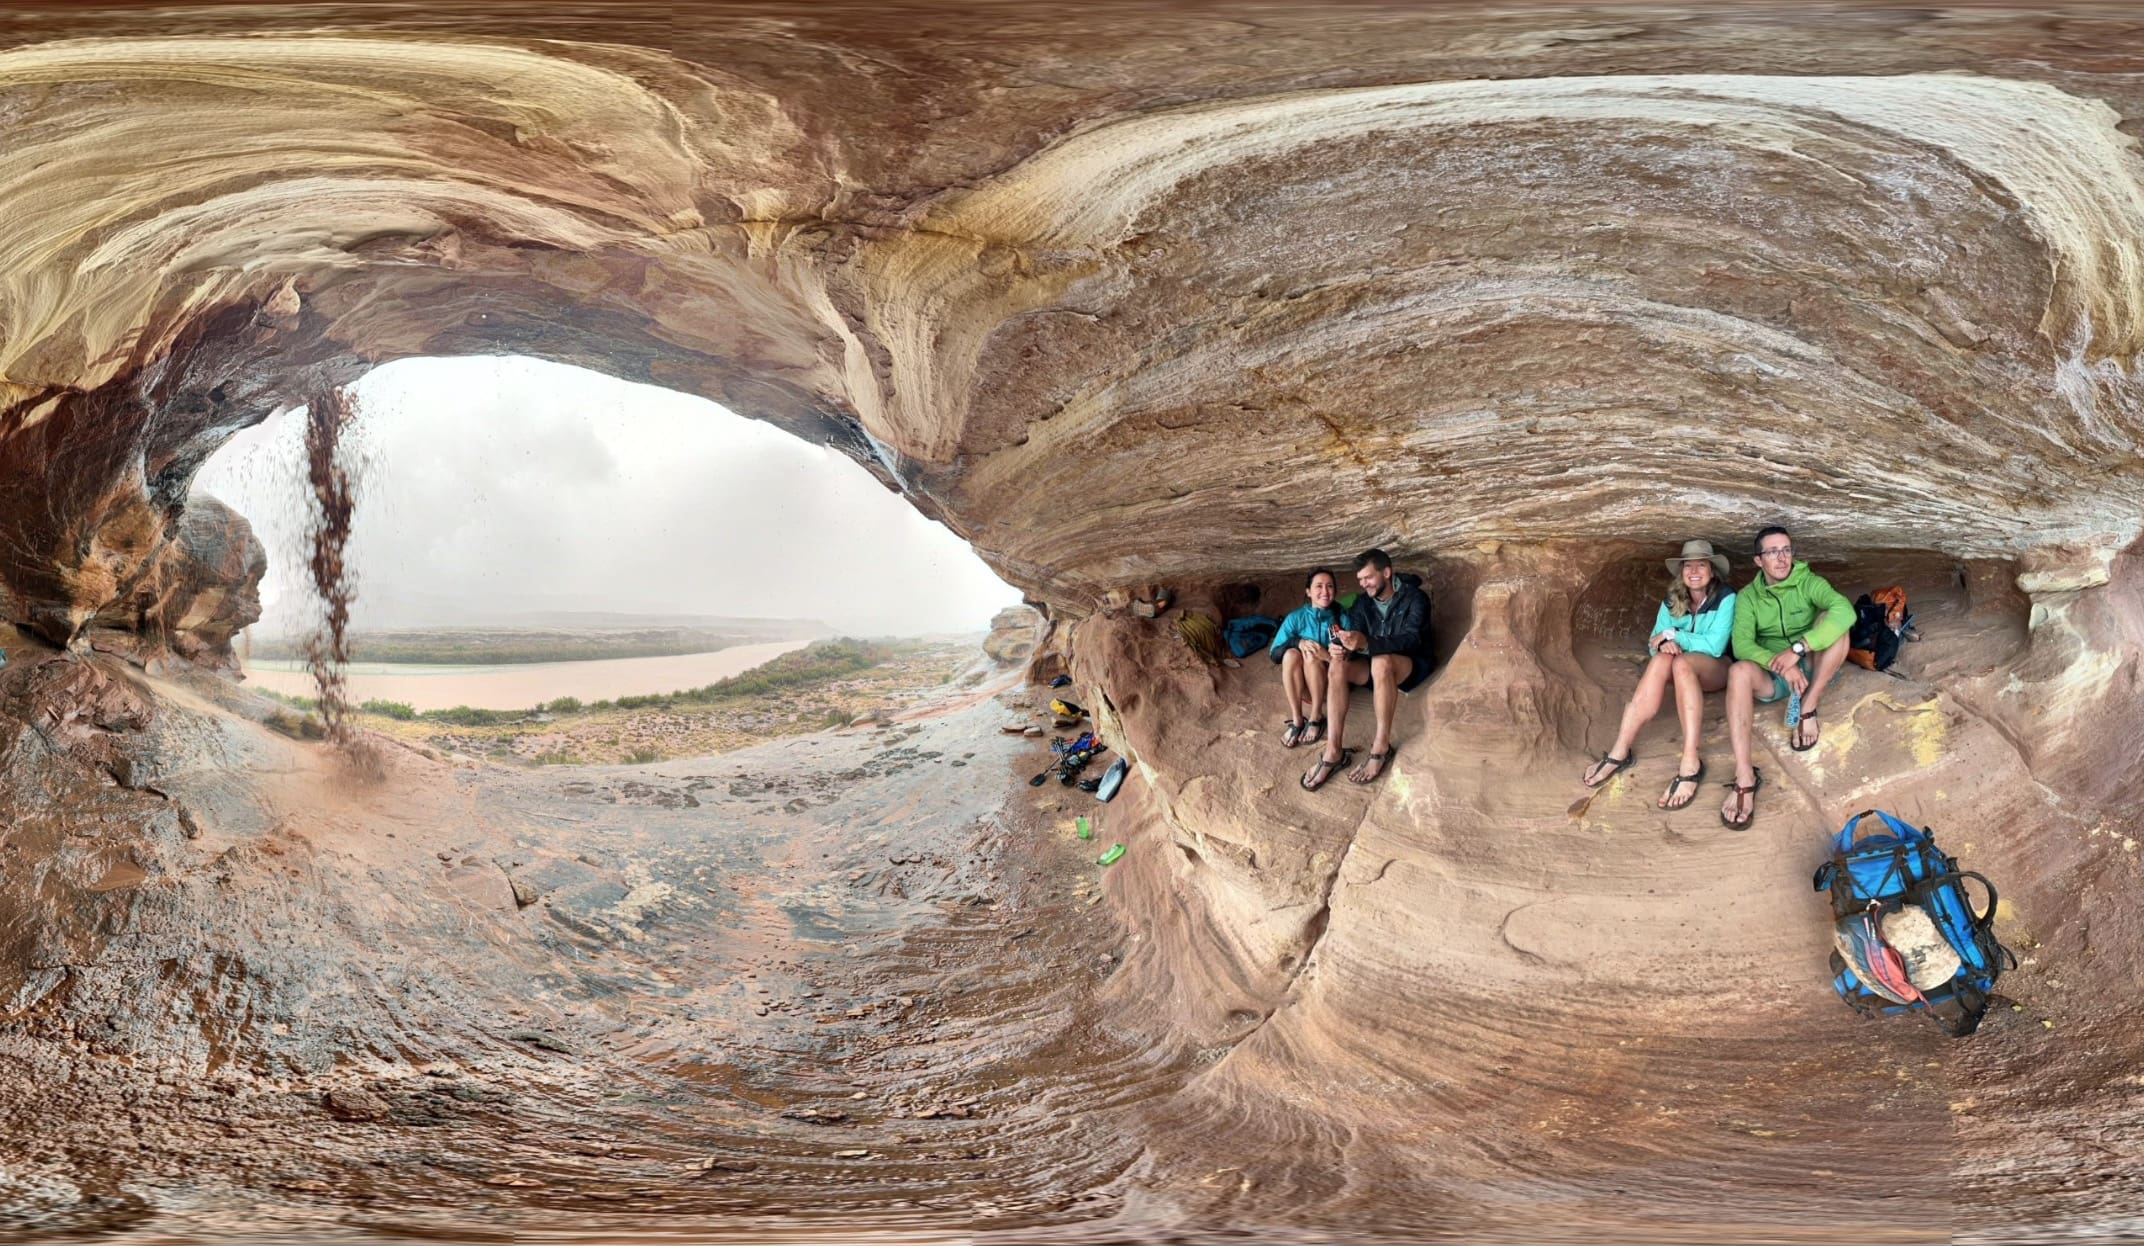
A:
(1756, 781)
(1292, 733)
(1796, 743)
(1620, 765)
(1379, 760)
(1322, 773)
(1313, 732)
(1681, 780)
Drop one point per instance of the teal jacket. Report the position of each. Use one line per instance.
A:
(1306, 623)
(1804, 606)
(1707, 631)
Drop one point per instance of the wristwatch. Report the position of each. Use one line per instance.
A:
(1800, 650)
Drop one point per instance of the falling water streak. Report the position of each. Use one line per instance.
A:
(328, 417)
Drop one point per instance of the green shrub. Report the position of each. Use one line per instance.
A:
(563, 705)
(295, 725)
(819, 662)
(400, 711)
(465, 716)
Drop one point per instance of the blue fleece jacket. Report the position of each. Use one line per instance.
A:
(1306, 623)
(1707, 631)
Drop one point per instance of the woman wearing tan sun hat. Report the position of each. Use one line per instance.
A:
(1689, 647)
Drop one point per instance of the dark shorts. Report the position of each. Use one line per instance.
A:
(1418, 669)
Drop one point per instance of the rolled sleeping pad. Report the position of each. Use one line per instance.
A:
(1112, 780)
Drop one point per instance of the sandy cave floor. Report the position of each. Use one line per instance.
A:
(866, 982)
(783, 985)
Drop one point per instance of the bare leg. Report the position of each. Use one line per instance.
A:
(1340, 677)
(1644, 703)
(1315, 674)
(1695, 675)
(1387, 672)
(1828, 662)
(1743, 681)
(1292, 681)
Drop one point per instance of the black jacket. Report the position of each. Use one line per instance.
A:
(1404, 629)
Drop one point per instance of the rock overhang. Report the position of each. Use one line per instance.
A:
(1223, 333)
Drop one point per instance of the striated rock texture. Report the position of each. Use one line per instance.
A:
(1478, 275)
(1207, 296)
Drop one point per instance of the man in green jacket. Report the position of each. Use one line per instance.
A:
(1789, 640)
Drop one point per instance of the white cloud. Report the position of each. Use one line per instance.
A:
(494, 487)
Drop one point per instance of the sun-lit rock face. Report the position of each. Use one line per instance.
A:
(1195, 298)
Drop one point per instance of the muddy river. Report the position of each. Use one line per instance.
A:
(519, 685)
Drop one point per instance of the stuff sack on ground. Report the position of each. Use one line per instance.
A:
(1881, 622)
(1202, 636)
(1909, 937)
(1250, 634)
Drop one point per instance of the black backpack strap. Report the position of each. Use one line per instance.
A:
(1959, 1008)
(1982, 919)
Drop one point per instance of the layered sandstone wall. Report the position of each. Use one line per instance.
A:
(1112, 306)
(1205, 297)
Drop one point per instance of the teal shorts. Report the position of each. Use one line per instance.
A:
(1780, 690)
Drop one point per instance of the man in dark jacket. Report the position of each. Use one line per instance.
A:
(1383, 642)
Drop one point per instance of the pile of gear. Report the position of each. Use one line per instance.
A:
(1072, 753)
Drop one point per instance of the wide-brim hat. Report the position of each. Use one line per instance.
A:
(1700, 551)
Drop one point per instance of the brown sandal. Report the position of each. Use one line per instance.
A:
(1322, 773)
(1379, 760)
(1756, 781)
(1616, 766)
(1681, 781)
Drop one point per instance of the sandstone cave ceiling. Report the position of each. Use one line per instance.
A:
(1113, 291)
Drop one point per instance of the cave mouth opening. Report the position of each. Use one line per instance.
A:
(529, 531)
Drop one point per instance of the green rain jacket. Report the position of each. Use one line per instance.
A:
(1768, 617)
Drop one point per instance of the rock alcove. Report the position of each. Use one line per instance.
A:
(1200, 298)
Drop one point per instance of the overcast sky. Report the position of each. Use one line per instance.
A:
(494, 487)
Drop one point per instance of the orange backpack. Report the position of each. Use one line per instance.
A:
(1880, 622)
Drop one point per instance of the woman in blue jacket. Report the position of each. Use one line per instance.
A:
(1299, 648)
(1689, 647)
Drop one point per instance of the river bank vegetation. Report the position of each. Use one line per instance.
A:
(827, 683)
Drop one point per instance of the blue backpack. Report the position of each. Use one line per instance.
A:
(1249, 634)
(1872, 874)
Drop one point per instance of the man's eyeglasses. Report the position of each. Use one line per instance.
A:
(1780, 551)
